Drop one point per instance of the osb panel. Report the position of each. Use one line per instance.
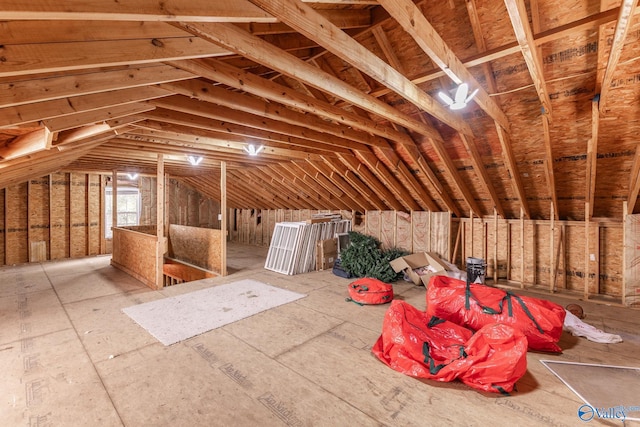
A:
(197, 246)
(387, 228)
(499, 259)
(135, 253)
(39, 212)
(2, 224)
(78, 214)
(373, 224)
(632, 261)
(94, 214)
(60, 215)
(16, 224)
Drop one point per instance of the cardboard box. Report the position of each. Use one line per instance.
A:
(326, 253)
(420, 267)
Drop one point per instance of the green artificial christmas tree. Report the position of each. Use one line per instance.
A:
(364, 258)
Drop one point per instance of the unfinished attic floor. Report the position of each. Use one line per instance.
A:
(70, 357)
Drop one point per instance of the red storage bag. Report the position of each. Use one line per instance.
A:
(424, 346)
(475, 305)
(368, 290)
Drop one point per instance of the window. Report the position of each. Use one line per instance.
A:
(128, 208)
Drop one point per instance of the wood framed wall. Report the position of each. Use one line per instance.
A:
(61, 215)
(547, 255)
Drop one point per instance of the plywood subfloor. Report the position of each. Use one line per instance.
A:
(70, 357)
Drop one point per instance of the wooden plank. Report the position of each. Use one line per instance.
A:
(136, 10)
(520, 22)
(251, 83)
(53, 57)
(413, 21)
(627, 11)
(35, 112)
(90, 117)
(315, 27)
(160, 238)
(634, 182)
(29, 143)
(200, 90)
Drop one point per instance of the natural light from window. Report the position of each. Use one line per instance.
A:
(128, 208)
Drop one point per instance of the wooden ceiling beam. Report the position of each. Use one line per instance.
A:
(548, 164)
(95, 116)
(520, 23)
(338, 197)
(314, 192)
(26, 144)
(212, 142)
(364, 173)
(166, 120)
(53, 57)
(274, 186)
(512, 169)
(314, 26)
(204, 91)
(58, 108)
(20, 92)
(627, 11)
(260, 127)
(136, 10)
(241, 42)
(592, 158)
(355, 182)
(390, 181)
(231, 76)
(325, 191)
(344, 185)
(634, 182)
(412, 20)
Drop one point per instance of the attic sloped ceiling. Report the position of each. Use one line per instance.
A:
(342, 94)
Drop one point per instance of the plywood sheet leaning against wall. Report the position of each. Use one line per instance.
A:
(550, 256)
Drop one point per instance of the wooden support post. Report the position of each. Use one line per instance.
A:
(28, 221)
(51, 216)
(103, 246)
(522, 246)
(586, 251)
(166, 205)
(596, 260)
(625, 212)
(495, 246)
(114, 199)
(160, 222)
(552, 252)
(223, 209)
(509, 230)
(472, 236)
(429, 237)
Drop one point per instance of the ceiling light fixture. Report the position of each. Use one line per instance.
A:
(132, 176)
(252, 150)
(460, 99)
(195, 160)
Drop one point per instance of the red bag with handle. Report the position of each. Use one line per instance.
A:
(423, 346)
(368, 290)
(475, 305)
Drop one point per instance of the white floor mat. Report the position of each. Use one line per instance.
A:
(174, 319)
